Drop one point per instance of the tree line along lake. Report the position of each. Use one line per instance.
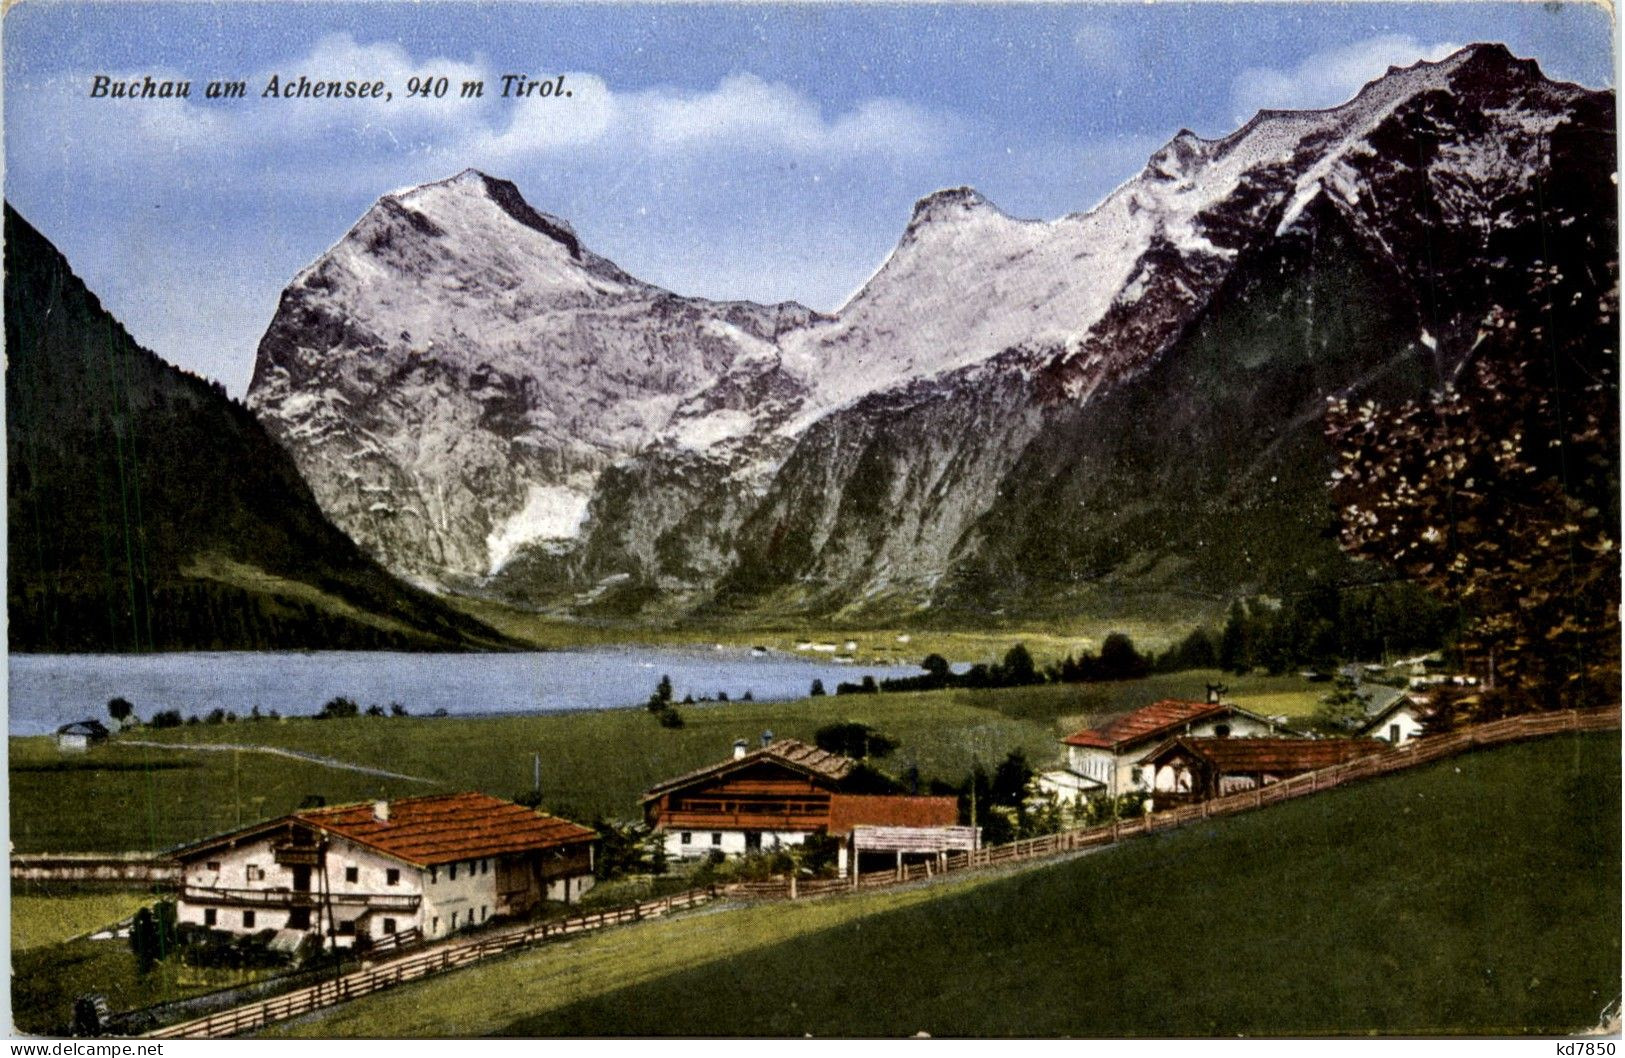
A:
(45, 691)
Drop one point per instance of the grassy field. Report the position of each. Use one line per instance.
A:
(46, 980)
(123, 797)
(874, 644)
(1480, 895)
(50, 916)
(1075, 705)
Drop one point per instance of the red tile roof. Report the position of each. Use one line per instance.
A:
(448, 827)
(852, 810)
(1273, 756)
(810, 760)
(1154, 721)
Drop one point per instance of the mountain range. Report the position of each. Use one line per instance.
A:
(1010, 417)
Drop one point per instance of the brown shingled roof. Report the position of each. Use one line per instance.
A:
(788, 751)
(446, 828)
(1142, 725)
(852, 810)
(1274, 756)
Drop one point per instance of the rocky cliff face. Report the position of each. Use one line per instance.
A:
(454, 375)
(1009, 414)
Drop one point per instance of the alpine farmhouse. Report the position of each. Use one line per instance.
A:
(1106, 760)
(435, 864)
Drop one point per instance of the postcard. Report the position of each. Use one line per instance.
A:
(745, 520)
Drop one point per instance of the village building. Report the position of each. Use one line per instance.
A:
(80, 735)
(765, 798)
(1187, 768)
(1106, 759)
(1401, 720)
(891, 831)
(435, 864)
(785, 792)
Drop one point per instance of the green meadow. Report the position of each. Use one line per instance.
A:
(126, 797)
(1479, 895)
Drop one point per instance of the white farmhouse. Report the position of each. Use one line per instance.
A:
(1106, 759)
(435, 864)
(1400, 722)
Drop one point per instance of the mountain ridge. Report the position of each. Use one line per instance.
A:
(780, 476)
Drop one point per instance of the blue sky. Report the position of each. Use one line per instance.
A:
(756, 151)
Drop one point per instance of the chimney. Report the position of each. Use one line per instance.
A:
(380, 811)
(739, 748)
(767, 739)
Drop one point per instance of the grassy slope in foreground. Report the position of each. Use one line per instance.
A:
(1478, 895)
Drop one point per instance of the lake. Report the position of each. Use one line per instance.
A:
(48, 690)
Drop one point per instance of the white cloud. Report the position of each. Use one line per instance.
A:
(345, 144)
(1328, 77)
(1103, 50)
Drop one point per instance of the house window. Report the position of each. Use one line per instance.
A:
(454, 872)
(485, 866)
(352, 874)
(434, 874)
(483, 913)
(347, 929)
(716, 837)
(1222, 730)
(688, 837)
(212, 865)
(435, 928)
(208, 916)
(389, 925)
(1134, 775)
(254, 874)
(248, 920)
(392, 877)
(1393, 733)
(454, 920)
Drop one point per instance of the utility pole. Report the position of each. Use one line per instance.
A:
(536, 776)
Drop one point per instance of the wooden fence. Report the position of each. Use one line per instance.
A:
(135, 867)
(449, 956)
(1410, 755)
(388, 974)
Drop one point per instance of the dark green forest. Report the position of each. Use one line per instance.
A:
(127, 476)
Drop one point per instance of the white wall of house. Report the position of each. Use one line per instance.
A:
(569, 890)
(728, 842)
(253, 867)
(1122, 772)
(1400, 726)
(459, 894)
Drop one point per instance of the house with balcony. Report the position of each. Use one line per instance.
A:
(759, 799)
(786, 791)
(432, 864)
(1106, 759)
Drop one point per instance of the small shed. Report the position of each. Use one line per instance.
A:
(80, 735)
(899, 829)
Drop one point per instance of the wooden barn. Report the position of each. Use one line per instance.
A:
(1186, 769)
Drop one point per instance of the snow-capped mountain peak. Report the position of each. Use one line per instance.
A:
(464, 382)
